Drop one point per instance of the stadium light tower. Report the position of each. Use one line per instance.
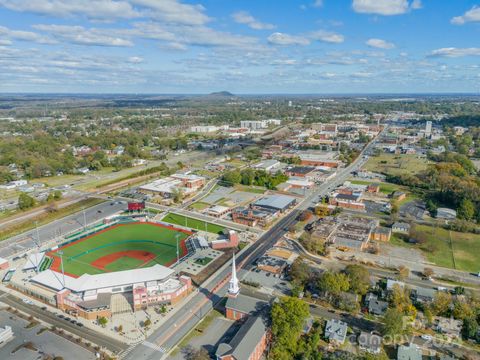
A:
(178, 252)
(60, 252)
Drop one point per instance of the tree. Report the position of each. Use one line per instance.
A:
(393, 323)
(191, 353)
(403, 272)
(359, 278)
(462, 310)
(120, 328)
(305, 215)
(299, 272)
(103, 321)
(333, 283)
(288, 317)
(178, 195)
(441, 303)
(428, 272)
(466, 209)
(321, 211)
(470, 328)
(147, 323)
(25, 201)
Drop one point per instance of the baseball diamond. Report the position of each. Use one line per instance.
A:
(121, 247)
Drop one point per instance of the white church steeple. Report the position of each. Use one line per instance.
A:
(233, 288)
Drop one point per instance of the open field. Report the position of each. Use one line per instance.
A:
(446, 248)
(251, 189)
(396, 164)
(192, 223)
(199, 205)
(121, 247)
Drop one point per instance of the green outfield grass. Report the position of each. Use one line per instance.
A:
(192, 223)
(143, 237)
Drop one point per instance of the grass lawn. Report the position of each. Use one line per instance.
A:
(446, 248)
(386, 188)
(143, 237)
(396, 164)
(192, 223)
(251, 189)
(199, 205)
(203, 261)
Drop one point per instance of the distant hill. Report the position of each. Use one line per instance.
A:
(221, 93)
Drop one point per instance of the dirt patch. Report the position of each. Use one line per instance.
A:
(143, 256)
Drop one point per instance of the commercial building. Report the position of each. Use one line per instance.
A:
(349, 201)
(268, 165)
(187, 184)
(217, 211)
(277, 203)
(319, 159)
(259, 124)
(252, 216)
(230, 242)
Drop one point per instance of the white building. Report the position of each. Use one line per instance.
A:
(259, 124)
(208, 128)
(6, 334)
(428, 128)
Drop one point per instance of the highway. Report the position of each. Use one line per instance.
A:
(167, 336)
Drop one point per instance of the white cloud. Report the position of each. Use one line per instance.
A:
(284, 62)
(417, 4)
(81, 36)
(327, 36)
(243, 17)
(5, 42)
(472, 15)
(90, 8)
(135, 59)
(25, 36)
(178, 36)
(173, 11)
(453, 52)
(318, 3)
(381, 7)
(286, 39)
(380, 44)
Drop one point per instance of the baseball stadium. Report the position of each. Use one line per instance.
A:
(115, 267)
(122, 246)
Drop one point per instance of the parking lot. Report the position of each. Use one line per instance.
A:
(228, 196)
(45, 342)
(268, 282)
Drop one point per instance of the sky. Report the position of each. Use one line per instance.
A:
(241, 46)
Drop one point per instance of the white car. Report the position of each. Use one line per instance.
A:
(26, 301)
(427, 337)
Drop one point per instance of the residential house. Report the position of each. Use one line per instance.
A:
(450, 327)
(401, 227)
(335, 331)
(409, 352)
(370, 342)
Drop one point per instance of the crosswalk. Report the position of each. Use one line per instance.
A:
(148, 344)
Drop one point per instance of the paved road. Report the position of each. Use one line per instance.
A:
(47, 232)
(48, 317)
(176, 327)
